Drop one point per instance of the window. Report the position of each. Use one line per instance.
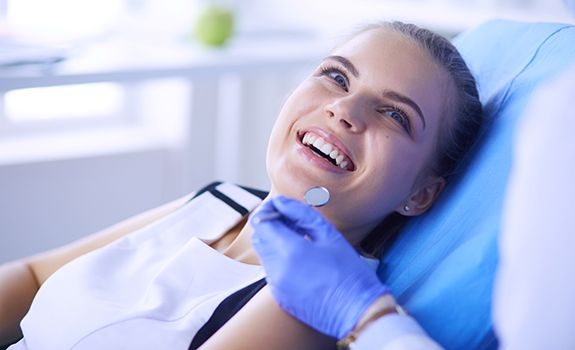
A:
(34, 26)
(63, 102)
(63, 19)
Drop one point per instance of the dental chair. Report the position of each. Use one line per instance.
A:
(441, 267)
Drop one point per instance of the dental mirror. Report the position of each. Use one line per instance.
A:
(316, 196)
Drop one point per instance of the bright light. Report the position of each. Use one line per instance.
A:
(64, 102)
(68, 19)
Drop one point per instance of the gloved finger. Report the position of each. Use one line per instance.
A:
(265, 209)
(305, 218)
(278, 247)
(267, 212)
(269, 238)
(275, 236)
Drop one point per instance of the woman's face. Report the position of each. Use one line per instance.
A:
(375, 105)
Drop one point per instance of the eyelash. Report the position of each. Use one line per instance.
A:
(404, 121)
(328, 70)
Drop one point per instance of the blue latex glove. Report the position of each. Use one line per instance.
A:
(319, 279)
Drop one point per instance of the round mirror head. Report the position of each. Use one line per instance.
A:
(317, 196)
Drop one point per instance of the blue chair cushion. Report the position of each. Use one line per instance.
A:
(441, 267)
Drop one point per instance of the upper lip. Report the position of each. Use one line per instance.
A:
(331, 138)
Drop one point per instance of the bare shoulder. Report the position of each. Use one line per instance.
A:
(44, 264)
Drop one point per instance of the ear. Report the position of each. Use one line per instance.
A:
(422, 199)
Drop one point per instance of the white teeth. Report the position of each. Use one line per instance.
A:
(308, 139)
(325, 148)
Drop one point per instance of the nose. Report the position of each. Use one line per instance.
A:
(347, 112)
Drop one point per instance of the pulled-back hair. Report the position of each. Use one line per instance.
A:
(457, 132)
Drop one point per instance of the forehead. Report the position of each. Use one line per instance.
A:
(383, 52)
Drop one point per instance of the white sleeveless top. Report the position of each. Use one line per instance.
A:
(153, 289)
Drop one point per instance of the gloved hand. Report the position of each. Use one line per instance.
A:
(314, 273)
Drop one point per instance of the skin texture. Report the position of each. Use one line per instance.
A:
(378, 146)
(364, 122)
(354, 110)
(356, 113)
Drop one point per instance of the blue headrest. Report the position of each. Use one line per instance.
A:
(442, 266)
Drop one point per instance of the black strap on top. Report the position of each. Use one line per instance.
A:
(212, 188)
(227, 308)
(233, 303)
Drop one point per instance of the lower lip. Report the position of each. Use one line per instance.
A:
(318, 161)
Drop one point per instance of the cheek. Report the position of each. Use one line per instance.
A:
(385, 190)
(394, 155)
(396, 165)
(296, 106)
(302, 102)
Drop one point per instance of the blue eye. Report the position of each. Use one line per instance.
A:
(337, 76)
(399, 117)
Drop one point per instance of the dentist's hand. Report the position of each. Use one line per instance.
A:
(314, 273)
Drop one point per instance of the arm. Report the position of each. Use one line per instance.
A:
(384, 327)
(45, 264)
(262, 324)
(17, 289)
(317, 276)
(20, 280)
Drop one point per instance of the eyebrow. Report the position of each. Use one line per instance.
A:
(390, 94)
(346, 63)
(396, 96)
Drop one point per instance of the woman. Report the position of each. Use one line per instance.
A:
(381, 123)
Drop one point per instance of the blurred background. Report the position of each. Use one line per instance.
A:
(112, 107)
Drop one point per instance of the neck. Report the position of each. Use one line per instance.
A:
(240, 247)
(354, 235)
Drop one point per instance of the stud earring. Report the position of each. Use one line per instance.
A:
(406, 208)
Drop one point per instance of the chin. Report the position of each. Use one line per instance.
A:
(285, 187)
(287, 180)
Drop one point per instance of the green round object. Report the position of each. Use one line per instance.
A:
(214, 26)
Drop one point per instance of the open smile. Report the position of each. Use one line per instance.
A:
(326, 147)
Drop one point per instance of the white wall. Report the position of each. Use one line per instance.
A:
(47, 203)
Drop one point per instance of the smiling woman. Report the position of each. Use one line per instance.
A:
(368, 124)
(345, 109)
(378, 100)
